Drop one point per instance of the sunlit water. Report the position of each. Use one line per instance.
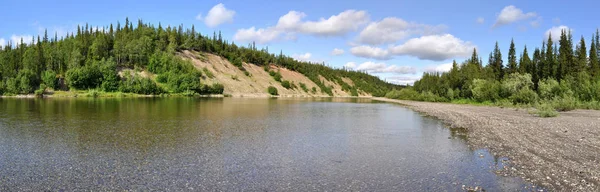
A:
(234, 144)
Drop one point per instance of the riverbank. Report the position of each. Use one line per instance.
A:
(560, 153)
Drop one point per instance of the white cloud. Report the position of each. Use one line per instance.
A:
(402, 80)
(373, 67)
(292, 23)
(217, 15)
(16, 39)
(434, 47)
(439, 68)
(260, 36)
(337, 52)
(302, 57)
(480, 20)
(371, 52)
(556, 31)
(392, 29)
(2, 42)
(511, 14)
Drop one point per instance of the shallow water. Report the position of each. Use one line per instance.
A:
(233, 144)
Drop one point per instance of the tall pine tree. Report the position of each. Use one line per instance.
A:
(593, 67)
(512, 58)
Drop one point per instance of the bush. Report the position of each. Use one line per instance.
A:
(49, 78)
(139, 85)
(272, 90)
(404, 94)
(514, 83)
(208, 73)
(314, 90)
(303, 86)
(40, 92)
(565, 103)
(545, 110)
(549, 88)
(485, 90)
(275, 75)
(524, 96)
(286, 84)
(432, 97)
(87, 77)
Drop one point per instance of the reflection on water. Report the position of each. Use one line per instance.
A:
(232, 144)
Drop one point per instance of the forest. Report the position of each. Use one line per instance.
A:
(91, 58)
(559, 76)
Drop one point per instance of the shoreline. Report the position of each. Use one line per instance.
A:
(559, 154)
(86, 94)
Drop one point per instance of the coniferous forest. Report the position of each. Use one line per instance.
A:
(561, 75)
(90, 58)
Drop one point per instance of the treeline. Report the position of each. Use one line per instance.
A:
(92, 57)
(559, 74)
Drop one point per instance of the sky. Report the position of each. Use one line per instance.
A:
(395, 40)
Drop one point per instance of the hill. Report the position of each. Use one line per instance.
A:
(153, 60)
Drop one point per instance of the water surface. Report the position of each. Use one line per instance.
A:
(234, 144)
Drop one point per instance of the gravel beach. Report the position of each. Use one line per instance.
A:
(559, 154)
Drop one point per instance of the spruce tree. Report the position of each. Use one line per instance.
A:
(581, 57)
(512, 58)
(593, 67)
(525, 64)
(549, 59)
(497, 67)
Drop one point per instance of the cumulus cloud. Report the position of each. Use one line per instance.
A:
(302, 57)
(292, 23)
(217, 15)
(480, 20)
(337, 52)
(556, 31)
(260, 36)
(373, 67)
(511, 14)
(392, 29)
(371, 52)
(439, 68)
(2, 42)
(16, 39)
(434, 47)
(402, 80)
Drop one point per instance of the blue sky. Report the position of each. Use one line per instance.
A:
(395, 40)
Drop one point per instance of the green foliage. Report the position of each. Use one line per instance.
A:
(524, 96)
(86, 77)
(275, 75)
(49, 79)
(207, 72)
(139, 85)
(565, 103)
(286, 84)
(304, 88)
(404, 94)
(545, 110)
(485, 90)
(272, 90)
(549, 88)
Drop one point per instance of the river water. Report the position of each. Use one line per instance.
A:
(234, 144)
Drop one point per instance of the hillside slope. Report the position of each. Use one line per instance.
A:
(238, 84)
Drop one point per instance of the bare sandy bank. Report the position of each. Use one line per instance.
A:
(560, 154)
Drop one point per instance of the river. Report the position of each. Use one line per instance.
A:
(233, 144)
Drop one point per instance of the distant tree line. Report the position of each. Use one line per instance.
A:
(561, 74)
(92, 57)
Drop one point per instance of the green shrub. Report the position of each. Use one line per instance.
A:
(432, 97)
(314, 90)
(404, 94)
(49, 78)
(235, 77)
(545, 110)
(549, 88)
(565, 103)
(275, 75)
(286, 84)
(208, 73)
(485, 90)
(139, 85)
(303, 86)
(524, 96)
(272, 90)
(87, 77)
(514, 83)
(40, 92)
(247, 73)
